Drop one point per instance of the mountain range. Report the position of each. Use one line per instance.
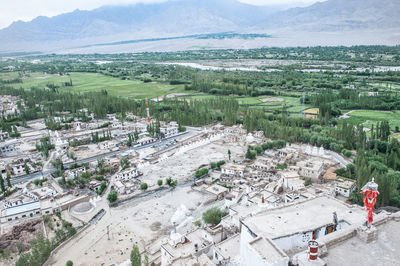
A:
(188, 17)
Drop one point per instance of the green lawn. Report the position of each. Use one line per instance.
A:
(370, 117)
(87, 82)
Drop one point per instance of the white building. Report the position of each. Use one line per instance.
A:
(262, 252)
(127, 174)
(119, 187)
(108, 145)
(18, 169)
(7, 147)
(230, 169)
(146, 140)
(344, 186)
(21, 212)
(169, 131)
(72, 173)
(311, 169)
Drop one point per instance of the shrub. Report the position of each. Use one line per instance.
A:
(213, 216)
(144, 186)
(112, 196)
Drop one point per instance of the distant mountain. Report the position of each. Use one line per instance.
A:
(172, 17)
(187, 17)
(338, 15)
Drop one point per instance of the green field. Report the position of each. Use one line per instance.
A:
(368, 117)
(88, 82)
(293, 104)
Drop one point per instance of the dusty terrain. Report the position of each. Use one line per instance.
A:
(146, 221)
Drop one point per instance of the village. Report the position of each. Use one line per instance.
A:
(99, 186)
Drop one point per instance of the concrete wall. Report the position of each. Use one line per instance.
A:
(301, 239)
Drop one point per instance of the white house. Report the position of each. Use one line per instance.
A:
(344, 186)
(7, 147)
(146, 140)
(169, 131)
(108, 145)
(18, 169)
(21, 212)
(119, 187)
(310, 169)
(72, 173)
(213, 235)
(127, 174)
(233, 170)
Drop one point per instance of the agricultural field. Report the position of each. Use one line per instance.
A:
(269, 104)
(89, 82)
(370, 117)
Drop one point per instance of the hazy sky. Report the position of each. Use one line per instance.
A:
(13, 10)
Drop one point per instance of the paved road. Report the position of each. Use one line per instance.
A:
(25, 178)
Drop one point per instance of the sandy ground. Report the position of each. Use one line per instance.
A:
(183, 166)
(148, 220)
(141, 222)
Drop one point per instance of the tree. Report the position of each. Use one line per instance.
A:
(159, 182)
(3, 188)
(69, 263)
(58, 163)
(136, 259)
(40, 251)
(308, 182)
(171, 183)
(124, 162)
(213, 216)
(8, 179)
(201, 172)
(143, 186)
(229, 155)
(26, 168)
(146, 260)
(100, 165)
(250, 154)
(112, 196)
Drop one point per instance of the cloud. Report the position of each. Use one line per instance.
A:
(26, 10)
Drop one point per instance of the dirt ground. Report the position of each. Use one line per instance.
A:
(146, 221)
(139, 222)
(183, 166)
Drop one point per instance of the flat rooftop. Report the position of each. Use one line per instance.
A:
(267, 250)
(30, 206)
(229, 248)
(384, 251)
(304, 216)
(188, 247)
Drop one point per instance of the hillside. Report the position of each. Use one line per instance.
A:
(187, 17)
(338, 15)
